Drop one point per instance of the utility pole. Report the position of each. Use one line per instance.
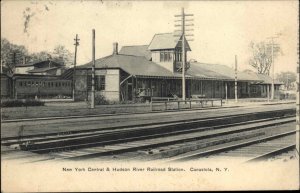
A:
(235, 81)
(183, 39)
(264, 63)
(74, 70)
(226, 91)
(93, 73)
(272, 89)
(273, 64)
(287, 81)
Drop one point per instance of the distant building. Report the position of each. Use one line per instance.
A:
(46, 67)
(155, 71)
(42, 79)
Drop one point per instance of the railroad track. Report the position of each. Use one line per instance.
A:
(4, 120)
(111, 114)
(246, 151)
(49, 127)
(182, 137)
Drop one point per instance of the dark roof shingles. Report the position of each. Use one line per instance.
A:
(134, 65)
(140, 66)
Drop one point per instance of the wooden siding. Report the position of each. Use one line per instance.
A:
(112, 82)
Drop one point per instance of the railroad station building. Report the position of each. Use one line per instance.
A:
(154, 70)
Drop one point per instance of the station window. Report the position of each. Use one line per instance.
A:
(20, 84)
(161, 56)
(178, 56)
(100, 82)
(165, 56)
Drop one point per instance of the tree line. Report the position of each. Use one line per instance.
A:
(12, 54)
(260, 60)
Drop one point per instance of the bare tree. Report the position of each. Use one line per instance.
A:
(62, 55)
(39, 56)
(261, 58)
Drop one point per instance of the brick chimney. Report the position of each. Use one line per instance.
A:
(115, 48)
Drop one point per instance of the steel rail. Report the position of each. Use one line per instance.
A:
(276, 113)
(158, 144)
(230, 147)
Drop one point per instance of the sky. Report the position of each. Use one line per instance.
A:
(222, 29)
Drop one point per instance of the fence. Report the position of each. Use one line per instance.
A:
(166, 101)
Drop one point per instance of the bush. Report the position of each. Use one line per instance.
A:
(101, 100)
(21, 103)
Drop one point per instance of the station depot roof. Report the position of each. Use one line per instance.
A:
(134, 65)
(166, 41)
(140, 66)
(225, 72)
(264, 78)
(136, 51)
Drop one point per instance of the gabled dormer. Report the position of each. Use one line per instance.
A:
(166, 50)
